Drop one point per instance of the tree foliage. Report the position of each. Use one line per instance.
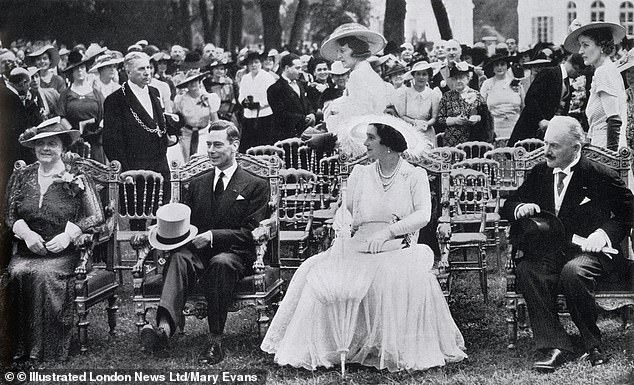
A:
(500, 14)
(327, 15)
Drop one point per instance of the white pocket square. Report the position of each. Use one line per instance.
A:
(240, 198)
(584, 201)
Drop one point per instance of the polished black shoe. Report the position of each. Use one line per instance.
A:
(597, 357)
(213, 355)
(554, 359)
(153, 339)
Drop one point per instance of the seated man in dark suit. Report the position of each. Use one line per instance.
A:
(226, 204)
(592, 202)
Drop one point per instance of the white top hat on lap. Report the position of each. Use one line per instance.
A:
(172, 229)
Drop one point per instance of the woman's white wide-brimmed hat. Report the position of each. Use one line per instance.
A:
(337, 68)
(572, 45)
(628, 62)
(375, 40)
(172, 229)
(360, 127)
(51, 127)
(418, 66)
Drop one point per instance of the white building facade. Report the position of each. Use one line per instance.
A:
(548, 20)
(420, 20)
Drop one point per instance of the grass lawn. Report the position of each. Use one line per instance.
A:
(483, 327)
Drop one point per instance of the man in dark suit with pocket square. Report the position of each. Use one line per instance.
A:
(593, 203)
(287, 97)
(227, 203)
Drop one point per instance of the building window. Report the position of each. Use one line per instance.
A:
(572, 11)
(597, 11)
(542, 29)
(626, 16)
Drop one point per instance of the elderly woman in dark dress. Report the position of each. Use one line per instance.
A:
(49, 205)
(82, 104)
(463, 114)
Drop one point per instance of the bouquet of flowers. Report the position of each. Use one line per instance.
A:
(71, 183)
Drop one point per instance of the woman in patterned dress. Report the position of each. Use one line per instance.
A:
(49, 205)
(463, 114)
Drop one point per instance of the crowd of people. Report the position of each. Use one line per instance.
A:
(357, 94)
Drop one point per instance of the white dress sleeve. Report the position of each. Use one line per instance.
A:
(421, 200)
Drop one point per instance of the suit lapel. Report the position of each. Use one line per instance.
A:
(549, 194)
(137, 107)
(229, 196)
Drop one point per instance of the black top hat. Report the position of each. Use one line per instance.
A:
(539, 235)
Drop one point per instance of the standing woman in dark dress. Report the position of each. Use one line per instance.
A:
(82, 104)
(46, 60)
(49, 205)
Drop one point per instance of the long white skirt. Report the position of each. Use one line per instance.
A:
(384, 310)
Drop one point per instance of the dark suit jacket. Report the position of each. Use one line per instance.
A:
(230, 219)
(15, 118)
(610, 206)
(125, 140)
(541, 102)
(443, 74)
(289, 109)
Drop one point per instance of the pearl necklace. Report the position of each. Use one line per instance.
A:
(388, 180)
(47, 175)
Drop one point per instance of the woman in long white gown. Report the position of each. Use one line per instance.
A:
(369, 299)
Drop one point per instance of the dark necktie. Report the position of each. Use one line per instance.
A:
(220, 186)
(560, 182)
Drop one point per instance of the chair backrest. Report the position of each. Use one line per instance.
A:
(298, 197)
(267, 167)
(266, 150)
(470, 192)
(83, 149)
(507, 177)
(291, 151)
(141, 194)
(448, 154)
(530, 144)
(500, 142)
(489, 167)
(475, 149)
(328, 176)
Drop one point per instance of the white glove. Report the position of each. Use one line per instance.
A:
(526, 210)
(59, 243)
(33, 240)
(203, 240)
(378, 239)
(595, 242)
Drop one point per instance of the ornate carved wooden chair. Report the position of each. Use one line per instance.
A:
(440, 139)
(475, 149)
(530, 144)
(500, 142)
(298, 200)
(266, 150)
(95, 273)
(438, 169)
(469, 194)
(455, 155)
(609, 296)
(260, 290)
(328, 191)
(140, 195)
(291, 152)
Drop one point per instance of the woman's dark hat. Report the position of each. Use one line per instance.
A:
(193, 60)
(253, 55)
(75, 59)
(488, 65)
(181, 79)
(52, 52)
(539, 235)
(396, 69)
(51, 127)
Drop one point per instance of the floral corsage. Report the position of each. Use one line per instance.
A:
(72, 183)
(204, 101)
(28, 134)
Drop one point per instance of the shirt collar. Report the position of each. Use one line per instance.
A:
(137, 89)
(568, 169)
(288, 80)
(229, 171)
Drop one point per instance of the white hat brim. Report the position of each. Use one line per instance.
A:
(360, 126)
(74, 136)
(572, 45)
(625, 66)
(375, 40)
(193, 231)
(106, 63)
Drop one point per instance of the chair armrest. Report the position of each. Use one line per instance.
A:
(141, 246)
(443, 232)
(84, 244)
(262, 234)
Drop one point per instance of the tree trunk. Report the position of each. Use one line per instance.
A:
(441, 18)
(186, 30)
(394, 21)
(271, 23)
(204, 17)
(225, 23)
(297, 31)
(236, 25)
